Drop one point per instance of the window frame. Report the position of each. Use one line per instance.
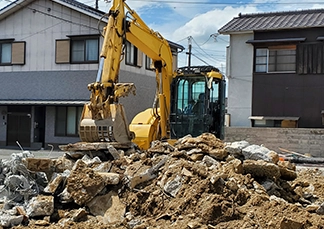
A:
(268, 58)
(85, 45)
(63, 131)
(131, 53)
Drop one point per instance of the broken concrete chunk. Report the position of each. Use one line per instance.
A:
(10, 220)
(218, 154)
(261, 169)
(39, 164)
(40, 206)
(290, 224)
(172, 187)
(108, 206)
(114, 152)
(83, 184)
(256, 152)
(62, 163)
(57, 179)
(115, 213)
(103, 167)
(320, 210)
(110, 178)
(209, 161)
(65, 196)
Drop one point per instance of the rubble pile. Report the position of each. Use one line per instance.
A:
(198, 182)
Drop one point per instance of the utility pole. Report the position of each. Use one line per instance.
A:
(189, 51)
(97, 4)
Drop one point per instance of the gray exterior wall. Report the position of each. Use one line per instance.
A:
(300, 140)
(239, 74)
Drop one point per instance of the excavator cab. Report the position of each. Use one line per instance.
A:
(197, 102)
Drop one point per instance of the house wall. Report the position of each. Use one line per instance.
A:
(240, 80)
(41, 28)
(291, 94)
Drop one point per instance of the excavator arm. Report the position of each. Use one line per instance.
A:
(103, 118)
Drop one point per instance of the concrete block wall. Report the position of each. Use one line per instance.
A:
(300, 140)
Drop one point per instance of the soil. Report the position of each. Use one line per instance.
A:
(220, 195)
(200, 205)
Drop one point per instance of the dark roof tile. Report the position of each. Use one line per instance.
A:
(275, 21)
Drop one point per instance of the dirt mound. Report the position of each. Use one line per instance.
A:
(197, 183)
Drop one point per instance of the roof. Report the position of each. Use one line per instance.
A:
(274, 21)
(43, 102)
(73, 4)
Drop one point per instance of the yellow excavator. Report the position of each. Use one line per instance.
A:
(190, 100)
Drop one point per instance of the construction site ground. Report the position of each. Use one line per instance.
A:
(198, 183)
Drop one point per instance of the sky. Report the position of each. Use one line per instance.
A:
(198, 22)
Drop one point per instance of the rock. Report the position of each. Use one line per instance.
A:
(320, 210)
(39, 164)
(290, 224)
(116, 210)
(235, 148)
(285, 172)
(103, 167)
(261, 169)
(218, 154)
(84, 184)
(40, 206)
(196, 157)
(255, 152)
(110, 178)
(273, 156)
(172, 187)
(312, 208)
(65, 196)
(57, 179)
(10, 220)
(62, 163)
(209, 161)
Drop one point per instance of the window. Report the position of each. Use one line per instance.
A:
(5, 51)
(276, 59)
(131, 54)
(310, 58)
(12, 53)
(67, 121)
(149, 63)
(84, 50)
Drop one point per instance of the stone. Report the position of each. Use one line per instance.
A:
(273, 156)
(209, 161)
(235, 148)
(57, 179)
(110, 178)
(172, 187)
(40, 206)
(312, 208)
(102, 167)
(218, 154)
(83, 184)
(116, 210)
(62, 164)
(290, 224)
(320, 210)
(10, 220)
(261, 169)
(256, 152)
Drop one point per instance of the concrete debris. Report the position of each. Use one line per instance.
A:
(40, 206)
(199, 182)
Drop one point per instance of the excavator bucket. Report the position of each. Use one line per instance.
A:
(112, 129)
